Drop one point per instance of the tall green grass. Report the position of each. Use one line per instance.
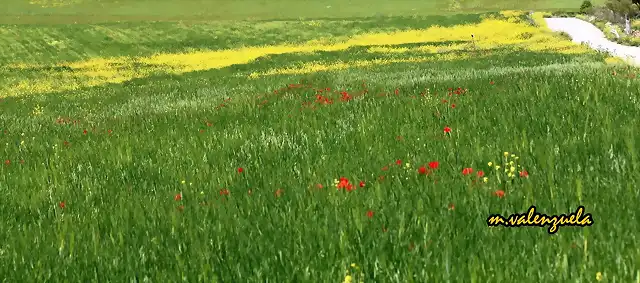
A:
(140, 181)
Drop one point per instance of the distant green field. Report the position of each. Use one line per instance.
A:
(70, 11)
(328, 150)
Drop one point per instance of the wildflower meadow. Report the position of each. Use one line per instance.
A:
(359, 148)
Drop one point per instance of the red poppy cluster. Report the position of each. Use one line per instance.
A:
(457, 91)
(433, 165)
(322, 95)
(345, 184)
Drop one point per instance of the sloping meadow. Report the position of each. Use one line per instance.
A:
(316, 151)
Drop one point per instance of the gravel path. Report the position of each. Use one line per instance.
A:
(583, 31)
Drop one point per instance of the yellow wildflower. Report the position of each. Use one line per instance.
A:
(490, 164)
(599, 276)
(485, 179)
(510, 175)
(348, 279)
(511, 162)
(513, 155)
(182, 182)
(512, 169)
(506, 154)
(516, 158)
(497, 167)
(37, 110)
(406, 166)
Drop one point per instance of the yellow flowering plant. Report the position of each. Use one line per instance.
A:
(507, 169)
(354, 274)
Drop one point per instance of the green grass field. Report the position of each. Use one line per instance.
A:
(70, 11)
(286, 151)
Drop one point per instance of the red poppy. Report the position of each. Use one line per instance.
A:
(7, 162)
(224, 192)
(350, 187)
(524, 174)
(453, 106)
(209, 124)
(491, 82)
(240, 169)
(398, 162)
(451, 206)
(422, 170)
(499, 193)
(342, 183)
(345, 96)
(444, 101)
(381, 178)
(201, 131)
(84, 132)
(434, 164)
(362, 184)
(178, 197)
(467, 171)
(109, 131)
(397, 91)
(370, 214)
(385, 168)
(62, 204)
(480, 173)
(447, 130)
(319, 186)
(278, 192)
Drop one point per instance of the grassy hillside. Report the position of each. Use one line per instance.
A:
(70, 11)
(313, 151)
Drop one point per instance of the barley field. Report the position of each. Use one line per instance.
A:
(349, 148)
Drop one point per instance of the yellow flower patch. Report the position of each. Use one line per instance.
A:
(508, 31)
